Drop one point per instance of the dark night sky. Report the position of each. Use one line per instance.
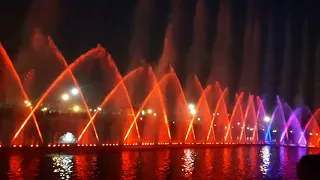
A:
(78, 25)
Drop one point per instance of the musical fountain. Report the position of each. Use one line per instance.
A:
(139, 110)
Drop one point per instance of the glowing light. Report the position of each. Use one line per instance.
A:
(217, 114)
(65, 97)
(76, 108)
(149, 111)
(143, 112)
(74, 91)
(26, 102)
(266, 119)
(67, 138)
(317, 134)
(310, 134)
(191, 106)
(251, 129)
(193, 111)
(291, 131)
(238, 123)
(63, 164)
(141, 118)
(274, 131)
(154, 114)
(99, 108)
(44, 109)
(198, 119)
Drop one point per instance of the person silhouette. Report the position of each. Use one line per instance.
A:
(308, 167)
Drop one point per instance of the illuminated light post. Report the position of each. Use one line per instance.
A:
(99, 108)
(27, 103)
(266, 119)
(74, 91)
(44, 109)
(76, 108)
(191, 106)
(65, 97)
(193, 111)
(149, 111)
(154, 114)
(143, 112)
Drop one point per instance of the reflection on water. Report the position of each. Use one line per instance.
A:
(188, 162)
(162, 164)
(128, 164)
(243, 162)
(63, 164)
(265, 157)
(15, 166)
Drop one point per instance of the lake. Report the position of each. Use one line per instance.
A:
(242, 162)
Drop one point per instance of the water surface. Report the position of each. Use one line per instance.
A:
(244, 162)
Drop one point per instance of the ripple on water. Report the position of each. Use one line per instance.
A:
(243, 162)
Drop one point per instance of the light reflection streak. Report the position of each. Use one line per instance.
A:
(188, 164)
(283, 160)
(241, 159)
(128, 165)
(15, 167)
(226, 160)
(85, 166)
(163, 164)
(208, 162)
(265, 156)
(63, 164)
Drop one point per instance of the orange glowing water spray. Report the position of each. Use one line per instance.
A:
(60, 56)
(233, 112)
(157, 85)
(184, 97)
(246, 115)
(216, 109)
(144, 104)
(107, 98)
(208, 88)
(59, 78)
(203, 95)
(8, 61)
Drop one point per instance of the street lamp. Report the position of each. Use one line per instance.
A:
(191, 106)
(76, 108)
(65, 97)
(193, 111)
(266, 119)
(74, 91)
